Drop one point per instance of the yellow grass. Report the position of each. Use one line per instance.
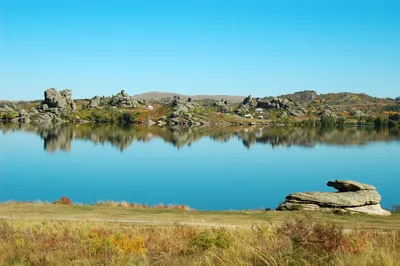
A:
(303, 239)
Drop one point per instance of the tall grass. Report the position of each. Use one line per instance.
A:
(110, 203)
(301, 241)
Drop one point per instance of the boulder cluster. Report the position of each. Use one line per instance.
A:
(288, 106)
(182, 112)
(352, 196)
(58, 101)
(122, 100)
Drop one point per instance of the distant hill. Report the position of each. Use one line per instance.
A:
(158, 96)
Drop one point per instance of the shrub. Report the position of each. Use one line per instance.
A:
(209, 238)
(63, 201)
(340, 122)
(126, 118)
(317, 237)
(381, 122)
(327, 121)
(394, 120)
(131, 245)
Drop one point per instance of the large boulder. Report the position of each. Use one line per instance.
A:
(250, 101)
(61, 100)
(122, 100)
(349, 185)
(291, 206)
(67, 95)
(370, 209)
(94, 103)
(353, 197)
(335, 199)
(53, 99)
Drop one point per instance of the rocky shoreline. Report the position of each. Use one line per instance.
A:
(352, 197)
(306, 107)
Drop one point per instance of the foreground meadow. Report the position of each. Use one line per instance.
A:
(51, 234)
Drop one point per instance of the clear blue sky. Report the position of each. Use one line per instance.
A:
(199, 47)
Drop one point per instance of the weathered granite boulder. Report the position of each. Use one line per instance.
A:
(122, 99)
(352, 196)
(67, 95)
(250, 101)
(370, 209)
(94, 103)
(336, 199)
(348, 185)
(291, 206)
(61, 100)
(291, 106)
(53, 99)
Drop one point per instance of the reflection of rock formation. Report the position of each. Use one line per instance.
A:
(57, 138)
(60, 137)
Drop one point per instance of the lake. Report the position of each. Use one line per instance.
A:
(206, 168)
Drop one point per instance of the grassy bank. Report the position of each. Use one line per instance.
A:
(53, 234)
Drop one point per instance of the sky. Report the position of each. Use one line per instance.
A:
(194, 47)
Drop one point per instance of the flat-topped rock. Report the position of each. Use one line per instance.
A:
(370, 209)
(335, 199)
(349, 185)
(291, 206)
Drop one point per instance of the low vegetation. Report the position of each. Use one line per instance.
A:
(304, 240)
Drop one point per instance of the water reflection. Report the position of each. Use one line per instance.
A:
(60, 137)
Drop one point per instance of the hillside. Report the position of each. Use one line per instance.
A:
(158, 96)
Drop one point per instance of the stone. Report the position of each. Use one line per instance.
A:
(337, 199)
(54, 99)
(349, 185)
(122, 99)
(370, 209)
(61, 100)
(94, 102)
(250, 101)
(290, 206)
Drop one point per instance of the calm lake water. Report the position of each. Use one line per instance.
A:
(205, 168)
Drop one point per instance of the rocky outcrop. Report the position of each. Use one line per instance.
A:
(333, 200)
(250, 101)
(94, 102)
(352, 196)
(292, 107)
(58, 100)
(183, 112)
(122, 100)
(67, 95)
(272, 103)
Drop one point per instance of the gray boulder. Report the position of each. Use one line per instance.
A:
(60, 100)
(94, 103)
(250, 101)
(334, 199)
(370, 209)
(67, 95)
(122, 99)
(291, 206)
(349, 185)
(54, 99)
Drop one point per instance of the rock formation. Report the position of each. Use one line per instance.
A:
(123, 100)
(94, 103)
(291, 106)
(272, 103)
(352, 196)
(60, 101)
